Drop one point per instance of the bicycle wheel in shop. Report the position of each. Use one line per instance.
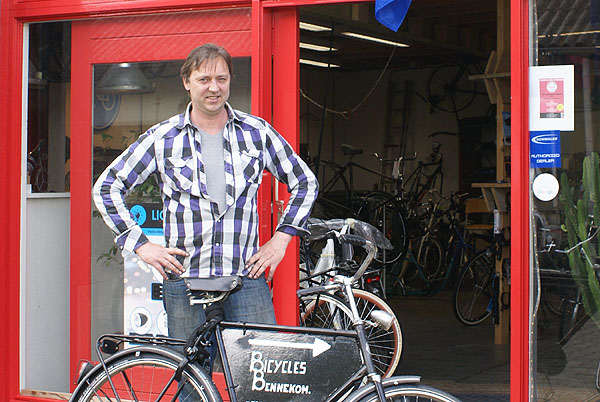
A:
(402, 392)
(327, 311)
(428, 257)
(473, 292)
(449, 88)
(382, 211)
(144, 374)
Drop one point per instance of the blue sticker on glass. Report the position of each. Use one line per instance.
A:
(544, 149)
(138, 213)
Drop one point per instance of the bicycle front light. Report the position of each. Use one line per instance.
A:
(383, 319)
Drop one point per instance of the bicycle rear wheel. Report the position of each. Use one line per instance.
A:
(327, 311)
(403, 393)
(146, 374)
(473, 292)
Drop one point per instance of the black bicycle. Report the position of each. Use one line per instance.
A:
(260, 362)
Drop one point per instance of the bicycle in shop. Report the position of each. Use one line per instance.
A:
(419, 182)
(333, 310)
(476, 294)
(260, 362)
(36, 167)
(427, 269)
(400, 213)
(338, 199)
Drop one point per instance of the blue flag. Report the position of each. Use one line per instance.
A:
(391, 13)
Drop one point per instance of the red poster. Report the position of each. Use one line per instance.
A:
(552, 98)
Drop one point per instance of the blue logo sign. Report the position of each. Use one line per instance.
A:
(138, 213)
(544, 149)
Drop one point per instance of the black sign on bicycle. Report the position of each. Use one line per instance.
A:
(275, 366)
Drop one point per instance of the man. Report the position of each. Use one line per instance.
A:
(208, 163)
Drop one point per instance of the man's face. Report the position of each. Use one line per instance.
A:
(209, 86)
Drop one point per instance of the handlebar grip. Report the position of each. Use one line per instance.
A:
(354, 240)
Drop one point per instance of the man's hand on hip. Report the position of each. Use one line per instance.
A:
(161, 258)
(269, 255)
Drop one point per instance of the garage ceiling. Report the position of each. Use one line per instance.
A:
(437, 32)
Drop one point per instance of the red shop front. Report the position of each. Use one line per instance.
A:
(54, 305)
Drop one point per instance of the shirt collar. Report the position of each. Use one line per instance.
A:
(184, 118)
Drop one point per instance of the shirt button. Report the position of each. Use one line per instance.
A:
(217, 244)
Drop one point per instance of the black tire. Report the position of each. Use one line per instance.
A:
(333, 312)
(428, 257)
(333, 200)
(39, 181)
(148, 366)
(402, 392)
(572, 316)
(473, 290)
(449, 88)
(381, 210)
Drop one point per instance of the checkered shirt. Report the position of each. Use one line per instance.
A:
(218, 242)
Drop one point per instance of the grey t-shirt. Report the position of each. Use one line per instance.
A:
(214, 167)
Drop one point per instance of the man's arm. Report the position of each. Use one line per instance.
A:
(290, 169)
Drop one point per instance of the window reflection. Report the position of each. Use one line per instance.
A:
(566, 286)
(49, 75)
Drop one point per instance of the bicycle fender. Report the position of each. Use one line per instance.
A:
(370, 387)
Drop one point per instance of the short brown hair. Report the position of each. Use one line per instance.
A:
(208, 51)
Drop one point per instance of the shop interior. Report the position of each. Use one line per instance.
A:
(421, 97)
(437, 95)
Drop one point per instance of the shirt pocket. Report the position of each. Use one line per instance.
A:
(251, 165)
(179, 172)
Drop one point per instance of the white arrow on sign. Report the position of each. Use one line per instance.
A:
(317, 347)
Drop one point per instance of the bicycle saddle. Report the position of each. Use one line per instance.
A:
(214, 283)
(349, 150)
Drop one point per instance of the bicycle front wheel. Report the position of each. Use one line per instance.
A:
(403, 393)
(326, 311)
(473, 292)
(381, 210)
(147, 375)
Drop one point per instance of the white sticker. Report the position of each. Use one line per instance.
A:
(545, 187)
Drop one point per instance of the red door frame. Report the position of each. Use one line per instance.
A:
(520, 212)
(266, 16)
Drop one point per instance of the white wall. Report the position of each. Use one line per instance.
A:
(45, 289)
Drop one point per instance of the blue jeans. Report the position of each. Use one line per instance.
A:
(252, 304)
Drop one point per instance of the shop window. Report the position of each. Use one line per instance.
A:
(565, 285)
(48, 137)
(45, 216)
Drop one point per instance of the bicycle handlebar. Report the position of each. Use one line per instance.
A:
(337, 282)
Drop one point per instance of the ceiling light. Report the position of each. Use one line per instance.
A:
(317, 63)
(318, 48)
(313, 27)
(125, 78)
(374, 39)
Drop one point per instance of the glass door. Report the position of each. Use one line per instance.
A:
(125, 79)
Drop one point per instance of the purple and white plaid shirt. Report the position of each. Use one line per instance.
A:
(218, 242)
